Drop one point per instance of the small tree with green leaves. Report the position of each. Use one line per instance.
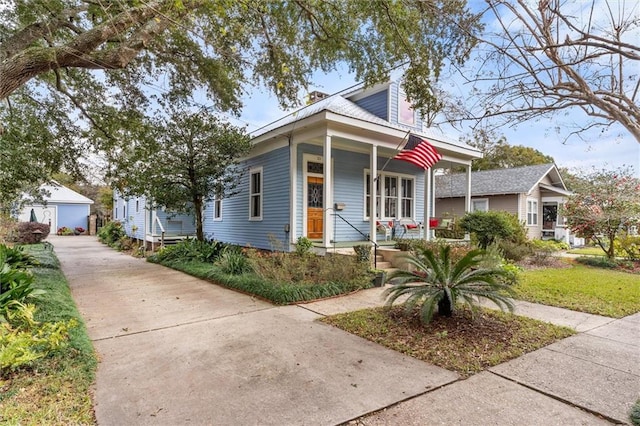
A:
(604, 205)
(437, 281)
(487, 226)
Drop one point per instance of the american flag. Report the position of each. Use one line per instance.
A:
(419, 152)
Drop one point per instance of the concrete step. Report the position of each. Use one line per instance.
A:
(383, 265)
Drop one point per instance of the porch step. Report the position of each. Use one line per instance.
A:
(381, 264)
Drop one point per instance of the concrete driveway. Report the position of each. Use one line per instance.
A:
(177, 350)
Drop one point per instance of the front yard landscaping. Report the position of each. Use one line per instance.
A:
(281, 278)
(457, 343)
(54, 390)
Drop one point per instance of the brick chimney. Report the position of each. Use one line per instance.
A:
(316, 96)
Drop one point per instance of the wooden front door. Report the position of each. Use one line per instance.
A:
(314, 207)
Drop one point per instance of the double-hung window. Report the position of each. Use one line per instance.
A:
(394, 196)
(532, 212)
(480, 205)
(255, 193)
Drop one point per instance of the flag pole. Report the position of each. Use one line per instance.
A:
(398, 148)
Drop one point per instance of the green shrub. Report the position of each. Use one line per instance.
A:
(549, 245)
(111, 233)
(489, 226)
(24, 232)
(16, 257)
(24, 340)
(191, 249)
(515, 251)
(363, 253)
(303, 246)
(628, 246)
(16, 282)
(598, 262)
(233, 262)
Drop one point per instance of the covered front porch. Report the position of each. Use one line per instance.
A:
(334, 199)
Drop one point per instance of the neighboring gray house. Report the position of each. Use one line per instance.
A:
(63, 207)
(534, 193)
(290, 189)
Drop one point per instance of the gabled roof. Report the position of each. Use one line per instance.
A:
(339, 105)
(500, 181)
(61, 194)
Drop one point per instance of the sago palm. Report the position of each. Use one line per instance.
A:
(438, 282)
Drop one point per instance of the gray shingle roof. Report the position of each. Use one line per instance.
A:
(492, 182)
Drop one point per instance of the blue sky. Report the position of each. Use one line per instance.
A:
(609, 150)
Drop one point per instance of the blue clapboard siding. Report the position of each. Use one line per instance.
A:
(132, 217)
(394, 92)
(235, 226)
(349, 188)
(377, 104)
(176, 223)
(72, 215)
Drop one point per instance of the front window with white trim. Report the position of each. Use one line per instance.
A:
(255, 193)
(398, 202)
(217, 208)
(480, 205)
(532, 212)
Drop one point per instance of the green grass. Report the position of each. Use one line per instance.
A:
(587, 251)
(459, 343)
(56, 391)
(582, 288)
(280, 293)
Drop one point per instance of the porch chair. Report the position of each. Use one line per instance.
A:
(381, 228)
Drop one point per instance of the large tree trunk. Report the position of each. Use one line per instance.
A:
(197, 204)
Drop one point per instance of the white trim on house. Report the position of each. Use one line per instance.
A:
(534, 215)
(380, 195)
(253, 171)
(217, 209)
(480, 200)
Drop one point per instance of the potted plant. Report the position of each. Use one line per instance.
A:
(379, 277)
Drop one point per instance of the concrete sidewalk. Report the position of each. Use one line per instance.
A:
(177, 350)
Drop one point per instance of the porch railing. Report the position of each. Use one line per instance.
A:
(366, 237)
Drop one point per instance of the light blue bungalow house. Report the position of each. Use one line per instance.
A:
(153, 225)
(290, 190)
(309, 175)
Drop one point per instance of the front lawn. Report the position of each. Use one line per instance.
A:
(457, 343)
(582, 288)
(587, 251)
(55, 390)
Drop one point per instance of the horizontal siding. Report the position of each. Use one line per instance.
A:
(349, 188)
(377, 104)
(394, 92)
(235, 226)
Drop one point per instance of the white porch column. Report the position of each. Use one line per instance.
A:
(373, 177)
(327, 202)
(427, 204)
(293, 170)
(467, 198)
